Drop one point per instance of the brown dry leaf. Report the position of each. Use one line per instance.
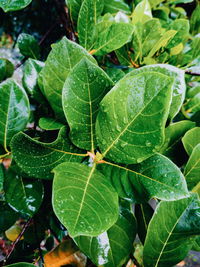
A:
(65, 253)
(130, 264)
(180, 264)
(7, 162)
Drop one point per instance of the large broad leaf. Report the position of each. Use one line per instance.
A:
(111, 248)
(83, 90)
(37, 159)
(24, 196)
(6, 69)
(84, 199)
(56, 70)
(21, 264)
(14, 111)
(28, 46)
(143, 213)
(130, 124)
(156, 177)
(142, 12)
(113, 6)
(191, 139)
(171, 232)
(112, 37)
(192, 168)
(74, 8)
(13, 5)
(179, 86)
(87, 19)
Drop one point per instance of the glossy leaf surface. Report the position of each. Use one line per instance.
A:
(13, 5)
(50, 124)
(38, 159)
(171, 230)
(111, 248)
(191, 139)
(130, 124)
(56, 70)
(83, 91)
(142, 12)
(79, 202)
(113, 6)
(89, 13)
(14, 111)
(6, 69)
(179, 86)
(192, 168)
(7, 216)
(156, 177)
(28, 46)
(23, 195)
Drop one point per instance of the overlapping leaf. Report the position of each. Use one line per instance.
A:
(56, 70)
(113, 6)
(191, 139)
(83, 90)
(130, 124)
(74, 7)
(171, 232)
(13, 5)
(14, 111)
(84, 199)
(37, 159)
(50, 124)
(142, 12)
(6, 69)
(1, 177)
(28, 46)
(111, 248)
(21, 264)
(156, 177)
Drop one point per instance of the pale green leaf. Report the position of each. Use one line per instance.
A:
(13, 5)
(83, 90)
(171, 232)
(83, 199)
(37, 159)
(113, 6)
(130, 124)
(56, 70)
(142, 12)
(191, 139)
(74, 8)
(14, 111)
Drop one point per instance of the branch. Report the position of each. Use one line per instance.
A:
(192, 73)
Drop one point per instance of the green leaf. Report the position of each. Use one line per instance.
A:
(112, 37)
(143, 213)
(195, 20)
(14, 111)
(79, 202)
(111, 248)
(115, 74)
(130, 124)
(28, 46)
(23, 195)
(171, 232)
(113, 6)
(37, 159)
(173, 134)
(192, 168)
(56, 70)
(89, 13)
(179, 86)
(7, 216)
(6, 69)
(83, 90)
(1, 178)
(191, 139)
(31, 71)
(74, 8)
(154, 3)
(156, 177)
(193, 105)
(50, 124)
(21, 264)
(142, 12)
(13, 5)
(196, 245)
(164, 40)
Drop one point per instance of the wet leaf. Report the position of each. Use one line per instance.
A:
(6, 69)
(191, 139)
(13, 5)
(50, 124)
(28, 46)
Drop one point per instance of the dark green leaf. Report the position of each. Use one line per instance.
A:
(28, 46)
(6, 69)
(196, 245)
(87, 19)
(7, 216)
(192, 168)
(130, 124)
(14, 111)
(37, 159)
(24, 196)
(143, 213)
(195, 20)
(111, 248)
(21, 264)
(50, 124)
(83, 199)
(56, 70)
(115, 74)
(113, 6)
(1, 178)
(156, 177)
(13, 5)
(83, 90)
(171, 232)
(191, 139)
(74, 8)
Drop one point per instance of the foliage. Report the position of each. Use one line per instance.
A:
(100, 141)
